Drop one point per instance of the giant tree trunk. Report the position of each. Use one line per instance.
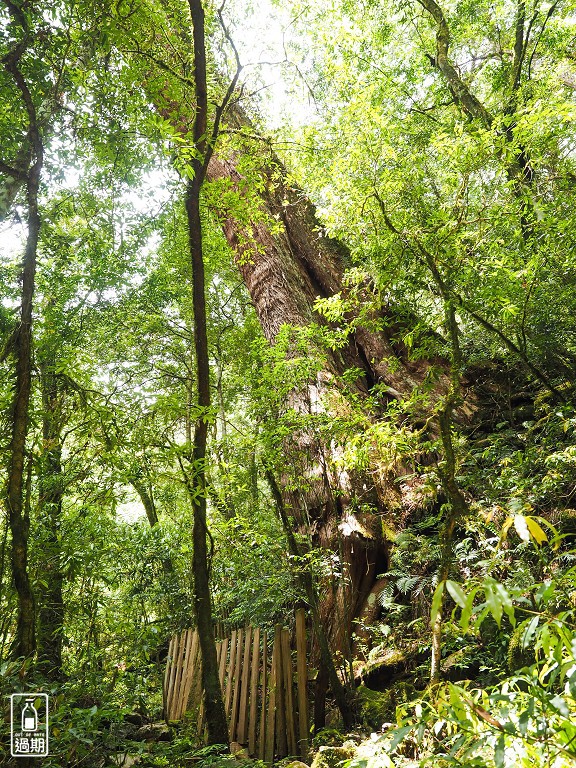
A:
(286, 263)
(285, 273)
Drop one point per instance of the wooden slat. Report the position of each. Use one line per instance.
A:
(288, 676)
(173, 676)
(264, 691)
(253, 715)
(281, 742)
(167, 677)
(237, 675)
(229, 681)
(244, 686)
(302, 683)
(270, 722)
(187, 671)
(180, 675)
(200, 720)
(181, 672)
(223, 650)
(195, 697)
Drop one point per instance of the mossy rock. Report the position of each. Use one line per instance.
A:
(333, 757)
(378, 707)
(380, 673)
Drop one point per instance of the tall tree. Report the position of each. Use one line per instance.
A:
(21, 341)
(204, 140)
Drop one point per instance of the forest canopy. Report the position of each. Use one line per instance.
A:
(287, 320)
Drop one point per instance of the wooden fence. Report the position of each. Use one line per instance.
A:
(265, 695)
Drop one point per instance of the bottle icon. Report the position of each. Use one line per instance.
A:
(29, 716)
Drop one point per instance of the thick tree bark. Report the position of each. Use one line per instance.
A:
(285, 272)
(287, 263)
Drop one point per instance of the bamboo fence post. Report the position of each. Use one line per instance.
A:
(169, 662)
(230, 672)
(288, 677)
(282, 746)
(302, 683)
(223, 649)
(245, 684)
(173, 676)
(262, 734)
(269, 744)
(181, 673)
(237, 674)
(254, 693)
(187, 672)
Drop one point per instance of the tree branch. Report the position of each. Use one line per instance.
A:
(462, 94)
(542, 28)
(14, 172)
(221, 108)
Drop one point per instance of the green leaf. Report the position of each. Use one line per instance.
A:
(456, 593)
(399, 735)
(536, 531)
(500, 752)
(523, 721)
(467, 610)
(559, 703)
(529, 631)
(506, 602)
(506, 527)
(494, 602)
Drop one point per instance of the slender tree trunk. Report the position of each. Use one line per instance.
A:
(51, 486)
(457, 506)
(24, 643)
(214, 706)
(215, 714)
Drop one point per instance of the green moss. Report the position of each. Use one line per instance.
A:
(388, 533)
(388, 658)
(380, 707)
(328, 737)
